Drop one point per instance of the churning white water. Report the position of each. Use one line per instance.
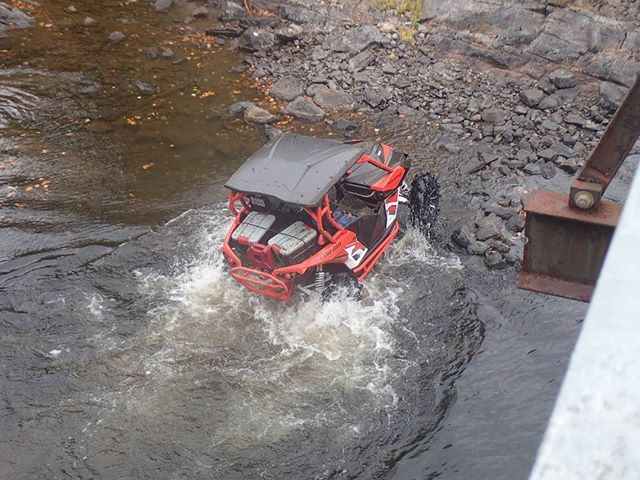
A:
(260, 367)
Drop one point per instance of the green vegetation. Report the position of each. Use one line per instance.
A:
(406, 34)
(412, 8)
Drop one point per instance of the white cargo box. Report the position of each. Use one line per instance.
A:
(293, 240)
(253, 228)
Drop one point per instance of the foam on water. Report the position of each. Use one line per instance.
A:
(271, 368)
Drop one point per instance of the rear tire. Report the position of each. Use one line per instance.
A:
(424, 203)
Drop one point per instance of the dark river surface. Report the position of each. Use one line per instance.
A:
(125, 350)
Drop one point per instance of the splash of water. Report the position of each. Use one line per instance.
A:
(273, 368)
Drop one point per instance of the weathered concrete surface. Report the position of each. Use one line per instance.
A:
(594, 431)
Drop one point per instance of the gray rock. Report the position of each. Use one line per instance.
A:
(632, 41)
(532, 169)
(556, 49)
(568, 165)
(462, 237)
(451, 148)
(200, 12)
(515, 37)
(511, 258)
(567, 94)
(562, 78)
(238, 108)
(256, 39)
(484, 159)
(503, 212)
(13, 18)
(117, 37)
(548, 170)
(255, 114)
(231, 10)
(389, 69)
(498, 246)
(163, 5)
(145, 88)
(290, 32)
(477, 248)
(346, 125)
(337, 99)
(402, 82)
(531, 97)
(611, 67)
(523, 155)
(611, 95)
(488, 227)
(167, 53)
(550, 102)
(287, 88)
(360, 61)
(89, 21)
(575, 119)
(406, 111)
(305, 110)
(272, 132)
(494, 260)
(516, 223)
(320, 54)
(561, 149)
(355, 40)
(493, 115)
(373, 98)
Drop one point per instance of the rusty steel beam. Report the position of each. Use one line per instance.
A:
(605, 160)
(565, 246)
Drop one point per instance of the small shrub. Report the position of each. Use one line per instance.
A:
(406, 34)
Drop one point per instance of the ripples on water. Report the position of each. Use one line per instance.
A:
(227, 383)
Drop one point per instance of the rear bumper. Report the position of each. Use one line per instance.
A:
(262, 282)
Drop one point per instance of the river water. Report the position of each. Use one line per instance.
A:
(126, 352)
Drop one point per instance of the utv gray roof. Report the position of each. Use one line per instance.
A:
(295, 169)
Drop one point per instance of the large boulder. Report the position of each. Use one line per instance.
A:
(304, 110)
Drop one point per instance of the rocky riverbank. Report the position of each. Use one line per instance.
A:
(514, 93)
(494, 96)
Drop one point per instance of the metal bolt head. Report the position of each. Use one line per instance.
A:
(584, 200)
